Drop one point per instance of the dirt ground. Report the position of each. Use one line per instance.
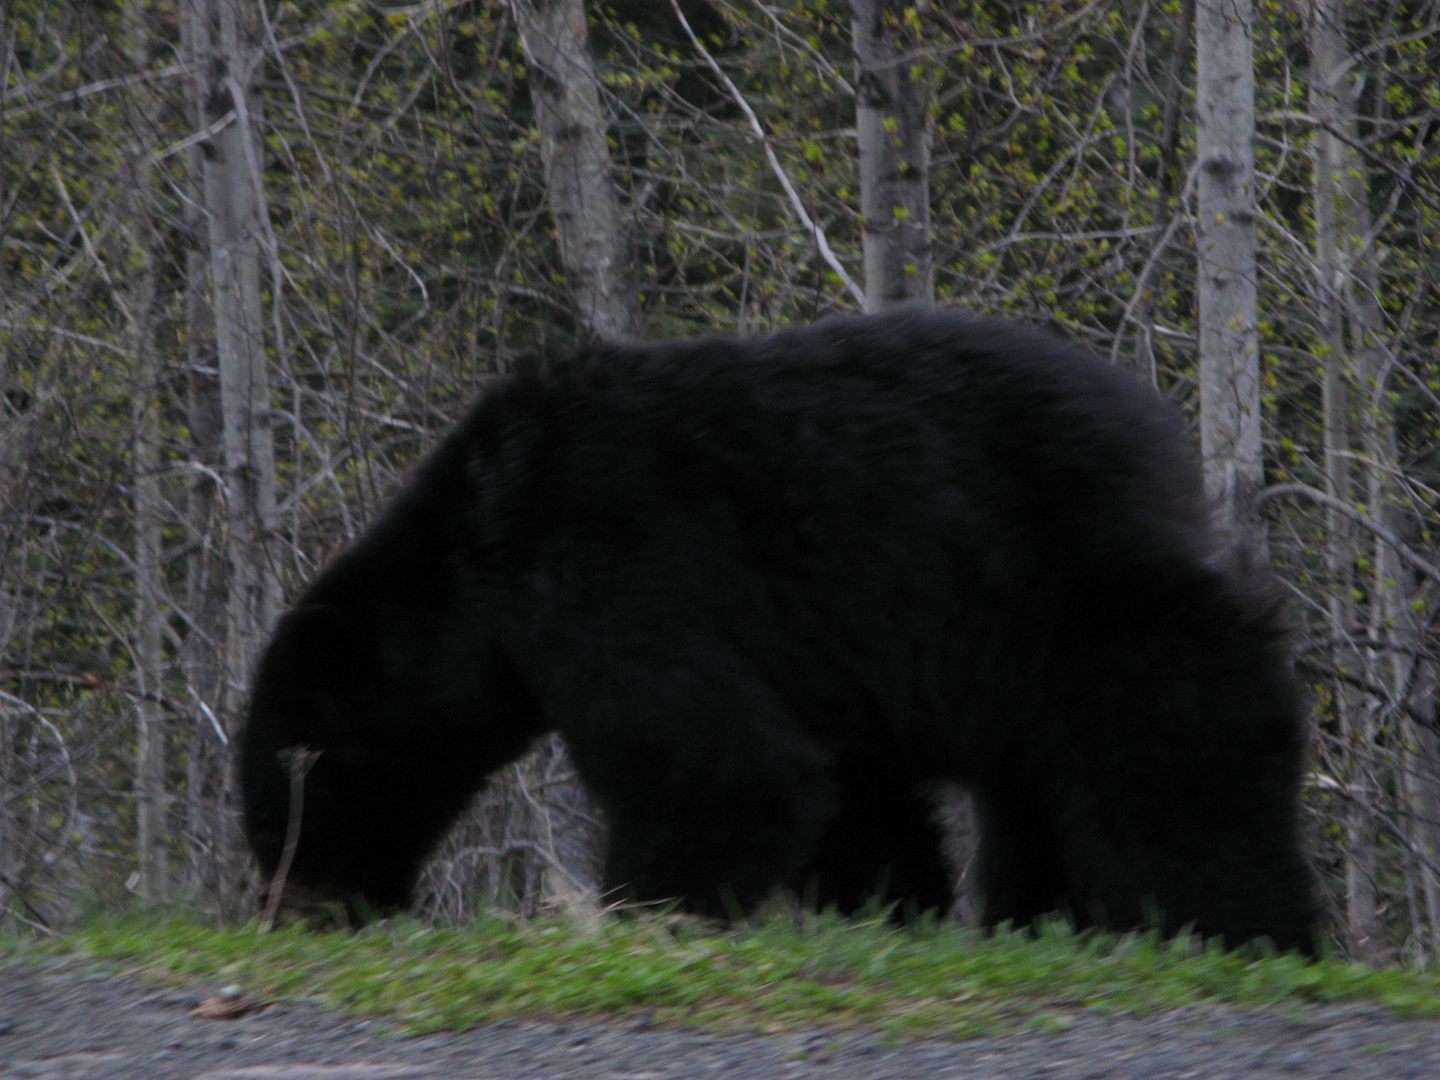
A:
(69, 1019)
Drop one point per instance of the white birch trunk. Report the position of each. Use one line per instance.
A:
(231, 196)
(892, 129)
(1327, 90)
(579, 176)
(1225, 241)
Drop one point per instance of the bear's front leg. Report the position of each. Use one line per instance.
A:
(713, 794)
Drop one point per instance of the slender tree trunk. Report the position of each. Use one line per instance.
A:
(151, 796)
(1225, 228)
(1422, 779)
(231, 181)
(148, 504)
(892, 128)
(147, 640)
(1171, 167)
(202, 657)
(1171, 170)
(231, 195)
(1408, 670)
(579, 176)
(1391, 583)
(1328, 57)
(10, 832)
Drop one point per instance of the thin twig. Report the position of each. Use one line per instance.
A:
(298, 760)
(1360, 518)
(823, 244)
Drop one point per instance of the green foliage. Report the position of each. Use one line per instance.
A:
(777, 975)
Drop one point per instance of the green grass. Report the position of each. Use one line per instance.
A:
(778, 975)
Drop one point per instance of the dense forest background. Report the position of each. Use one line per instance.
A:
(255, 256)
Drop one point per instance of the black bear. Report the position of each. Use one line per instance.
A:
(768, 590)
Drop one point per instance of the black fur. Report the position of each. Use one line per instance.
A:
(767, 590)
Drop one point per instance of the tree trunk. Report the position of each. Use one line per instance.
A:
(1422, 778)
(231, 179)
(1401, 655)
(138, 304)
(1328, 59)
(579, 177)
(207, 758)
(892, 129)
(10, 769)
(151, 798)
(232, 176)
(1225, 241)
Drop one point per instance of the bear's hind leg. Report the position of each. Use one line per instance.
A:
(1019, 865)
(885, 847)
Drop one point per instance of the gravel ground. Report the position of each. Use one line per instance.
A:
(66, 1018)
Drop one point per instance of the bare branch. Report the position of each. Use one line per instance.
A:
(1314, 494)
(798, 206)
